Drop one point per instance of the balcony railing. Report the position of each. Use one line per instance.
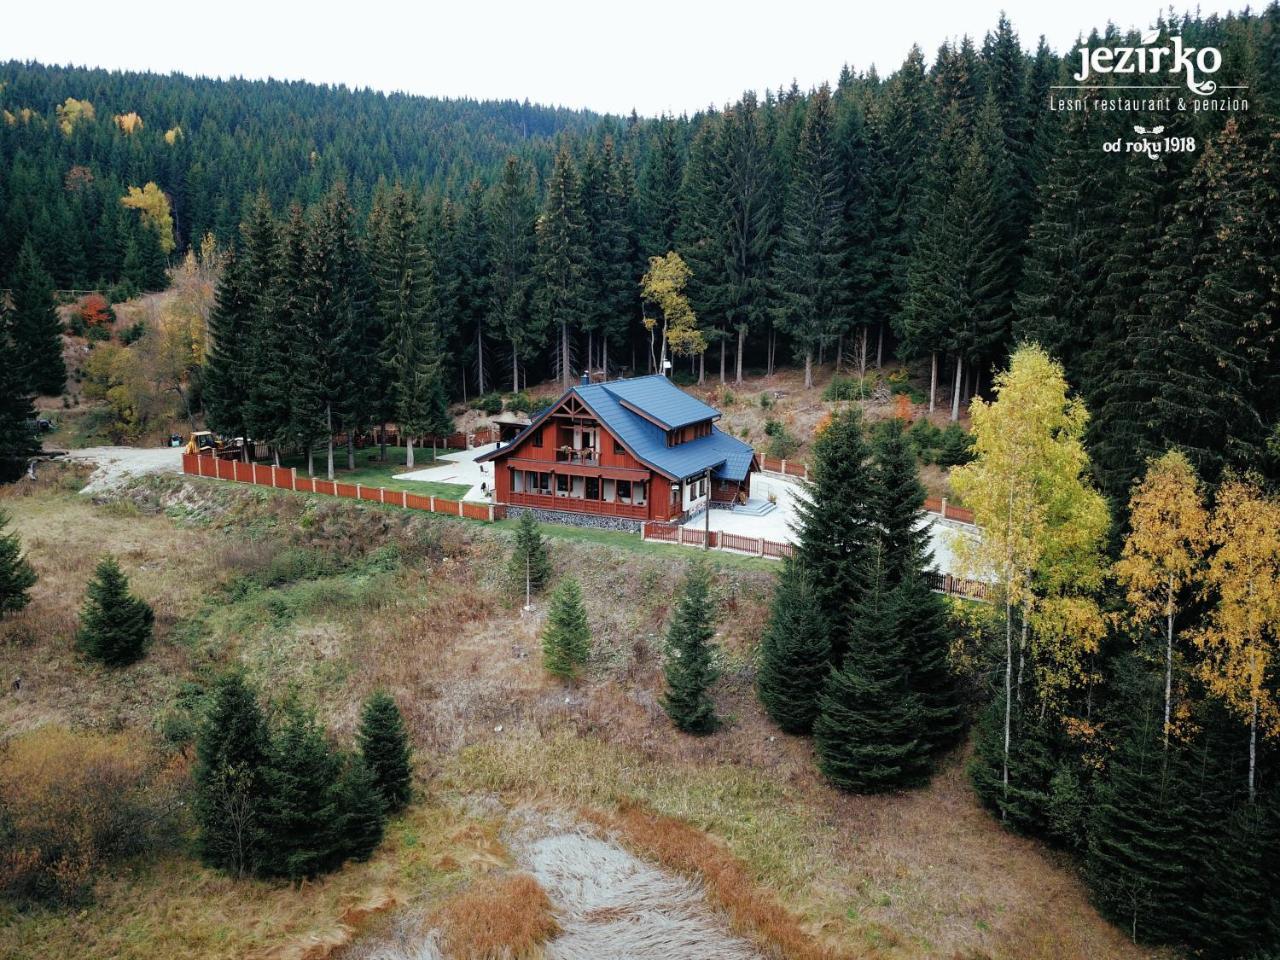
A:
(588, 457)
(608, 508)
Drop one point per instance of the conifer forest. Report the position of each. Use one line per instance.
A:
(300, 714)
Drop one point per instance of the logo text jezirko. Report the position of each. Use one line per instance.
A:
(1173, 58)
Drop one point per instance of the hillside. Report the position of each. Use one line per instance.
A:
(333, 600)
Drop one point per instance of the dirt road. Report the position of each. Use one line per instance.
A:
(115, 464)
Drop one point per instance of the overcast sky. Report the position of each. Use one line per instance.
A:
(653, 55)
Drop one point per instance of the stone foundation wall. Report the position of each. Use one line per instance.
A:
(591, 520)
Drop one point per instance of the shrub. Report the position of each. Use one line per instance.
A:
(133, 333)
(538, 404)
(781, 442)
(955, 447)
(519, 402)
(489, 403)
(74, 803)
(115, 626)
(843, 388)
(766, 401)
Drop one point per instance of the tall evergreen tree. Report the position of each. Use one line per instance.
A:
(385, 751)
(16, 574)
(837, 521)
(300, 812)
(512, 215)
(360, 809)
(36, 330)
(795, 653)
(689, 668)
(560, 264)
(869, 729)
(810, 287)
(17, 433)
(530, 564)
(231, 754)
(115, 626)
(660, 191)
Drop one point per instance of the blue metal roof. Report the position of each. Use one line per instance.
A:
(728, 457)
(662, 400)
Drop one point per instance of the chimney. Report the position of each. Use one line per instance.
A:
(586, 379)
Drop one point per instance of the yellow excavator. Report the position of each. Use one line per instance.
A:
(204, 442)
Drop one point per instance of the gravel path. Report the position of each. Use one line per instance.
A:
(116, 464)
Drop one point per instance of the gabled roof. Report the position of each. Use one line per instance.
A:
(658, 399)
(618, 405)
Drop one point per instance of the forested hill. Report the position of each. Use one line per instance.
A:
(934, 217)
(210, 143)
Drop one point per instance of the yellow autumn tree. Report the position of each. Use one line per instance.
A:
(71, 112)
(173, 135)
(1041, 527)
(1241, 640)
(1164, 552)
(663, 285)
(150, 201)
(129, 123)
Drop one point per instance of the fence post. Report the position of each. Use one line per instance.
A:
(433, 503)
(461, 512)
(944, 508)
(760, 546)
(491, 513)
(783, 464)
(293, 479)
(253, 472)
(404, 499)
(382, 494)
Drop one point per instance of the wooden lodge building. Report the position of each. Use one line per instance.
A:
(620, 452)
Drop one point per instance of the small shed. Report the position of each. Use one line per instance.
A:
(509, 425)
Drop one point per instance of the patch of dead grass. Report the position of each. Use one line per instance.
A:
(505, 917)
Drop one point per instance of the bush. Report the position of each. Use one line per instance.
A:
(766, 401)
(133, 333)
(72, 804)
(538, 404)
(955, 447)
(843, 388)
(782, 444)
(489, 403)
(519, 403)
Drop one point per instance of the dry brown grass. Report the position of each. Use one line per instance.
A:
(498, 918)
(753, 911)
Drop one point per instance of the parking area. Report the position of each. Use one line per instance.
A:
(460, 467)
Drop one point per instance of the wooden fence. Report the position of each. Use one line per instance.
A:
(719, 539)
(281, 478)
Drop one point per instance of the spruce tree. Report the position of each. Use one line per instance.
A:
(300, 813)
(837, 520)
(689, 669)
(869, 733)
(231, 754)
(660, 191)
(361, 811)
(512, 215)
(17, 434)
(36, 330)
(16, 575)
(115, 626)
(530, 563)
(385, 750)
(810, 288)
(561, 259)
(795, 653)
(566, 639)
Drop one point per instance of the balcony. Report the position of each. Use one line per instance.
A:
(585, 457)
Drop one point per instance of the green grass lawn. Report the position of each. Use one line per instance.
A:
(372, 472)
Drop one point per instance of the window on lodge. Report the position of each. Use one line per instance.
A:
(691, 432)
(537, 438)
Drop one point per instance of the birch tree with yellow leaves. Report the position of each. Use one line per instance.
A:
(1164, 552)
(663, 284)
(1241, 640)
(1042, 525)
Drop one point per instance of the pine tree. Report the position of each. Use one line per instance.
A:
(16, 575)
(869, 730)
(660, 191)
(385, 750)
(807, 277)
(36, 330)
(837, 520)
(512, 216)
(266, 351)
(115, 626)
(231, 754)
(566, 639)
(300, 813)
(530, 565)
(690, 670)
(560, 263)
(17, 436)
(1135, 866)
(795, 653)
(361, 812)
